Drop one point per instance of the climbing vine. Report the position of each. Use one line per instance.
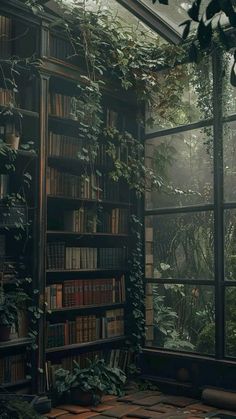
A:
(114, 54)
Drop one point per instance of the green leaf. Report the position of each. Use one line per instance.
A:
(186, 30)
(193, 12)
(193, 53)
(204, 34)
(233, 75)
(212, 8)
(223, 37)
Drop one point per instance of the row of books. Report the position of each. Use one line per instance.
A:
(60, 256)
(85, 220)
(62, 105)
(12, 369)
(60, 48)
(6, 96)
(4, 185)
(64, 146)
(82, 220)
(80, 292)
(84, 187)
(86, 329)
(116, 358)
(120, 152)
(114, 221)
(5, 37)
(65, 184)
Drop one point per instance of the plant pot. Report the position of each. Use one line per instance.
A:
(12, 140)
(85, 398)
(4, 333)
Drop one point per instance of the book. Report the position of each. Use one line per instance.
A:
(12, 369)
(5, 37)
(60, 48)
(83, 292)
(61, 105)
(86, 329)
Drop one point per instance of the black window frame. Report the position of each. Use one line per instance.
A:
(219, 207)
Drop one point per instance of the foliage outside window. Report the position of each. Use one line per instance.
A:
(181, 269)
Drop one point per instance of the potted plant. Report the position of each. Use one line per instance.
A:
(87, 385)
(13, 126)
(10, 303)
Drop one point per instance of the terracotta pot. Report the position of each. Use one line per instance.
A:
(13, 141)
(4, 333)
(85, 398)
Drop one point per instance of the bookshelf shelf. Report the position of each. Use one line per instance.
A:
(88, 202)
(83, 271)
(86, 308)
(63, 121)
(72, 234)
(73, 164)
(85, 344)
(24, 112)
(15, 343)
(20, 383)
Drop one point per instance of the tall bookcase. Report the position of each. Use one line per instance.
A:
(19, 117)
(81, 235)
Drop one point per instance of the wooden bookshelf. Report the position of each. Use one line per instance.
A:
(19, 117)
(44, 97)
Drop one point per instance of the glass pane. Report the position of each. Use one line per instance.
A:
(182, 163)
(182, 317)
(230, 321)
(188, 96)
(229, 149)
(180, 246)
(176, 12)
(229, 91)
(230, 244)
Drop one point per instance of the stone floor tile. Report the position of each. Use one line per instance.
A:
(55, 413)
(73, 408)
(109, 398)
(150, 401)
(139, 395)
(161, 407)
(120, 411)
(140, 413)
(102, 407)
(179, 401)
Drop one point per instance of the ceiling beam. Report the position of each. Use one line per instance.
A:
(153, 20)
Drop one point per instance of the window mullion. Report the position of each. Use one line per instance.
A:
(218, 202)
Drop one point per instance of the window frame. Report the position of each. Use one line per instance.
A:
(218, 207)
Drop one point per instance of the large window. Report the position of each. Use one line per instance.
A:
(190, 224)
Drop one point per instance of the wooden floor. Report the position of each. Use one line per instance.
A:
(142, 405)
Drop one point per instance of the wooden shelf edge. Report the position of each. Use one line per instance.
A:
(85, 344)
(97, 234)
(81, 271)
(24, 112)
(89, 201)
(20, 383)
(87, 307)
(14, 343)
